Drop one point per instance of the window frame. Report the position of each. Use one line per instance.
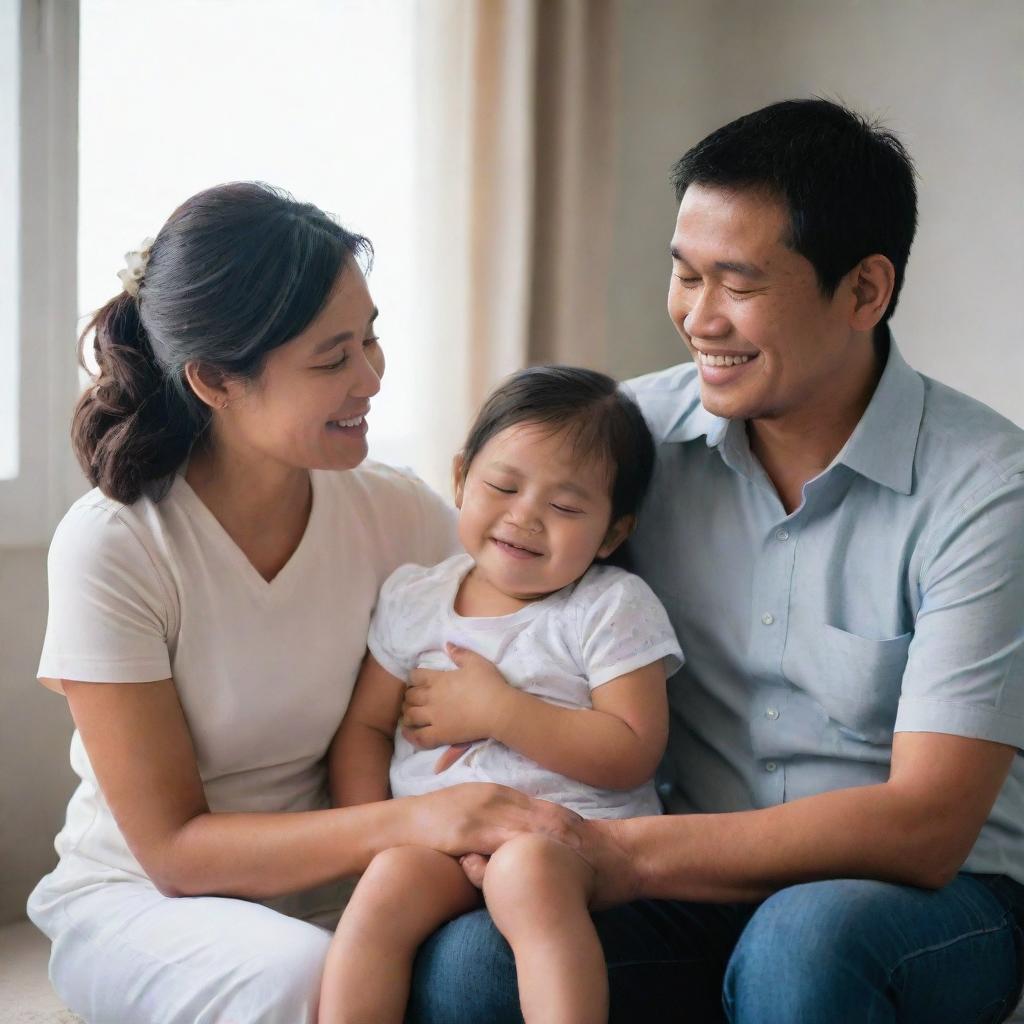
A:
(47, 223)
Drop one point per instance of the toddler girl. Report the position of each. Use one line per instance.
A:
(554, 684)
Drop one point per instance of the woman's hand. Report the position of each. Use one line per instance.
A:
(461, 705)
(477, 817)
(601, 843)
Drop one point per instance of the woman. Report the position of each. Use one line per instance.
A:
(209, 602)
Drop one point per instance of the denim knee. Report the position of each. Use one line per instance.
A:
(798, 953)
(465, 973)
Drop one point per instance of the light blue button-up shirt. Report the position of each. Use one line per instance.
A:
(891, 600)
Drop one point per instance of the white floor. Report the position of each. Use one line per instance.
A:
(25, 993)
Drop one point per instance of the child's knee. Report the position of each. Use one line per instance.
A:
(531, 865)
(399, 869)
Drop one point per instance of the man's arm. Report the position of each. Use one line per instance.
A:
(915, 829)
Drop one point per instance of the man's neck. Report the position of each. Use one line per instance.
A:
(796, 447)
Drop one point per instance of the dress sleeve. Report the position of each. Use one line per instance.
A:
(385, 639)
(109, 611)
(436, 520)
(965, 668)
(623, 627)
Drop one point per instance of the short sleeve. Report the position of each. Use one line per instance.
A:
(385, 636)
(623, 626)
(965, 668)
(109, 611)
(436, 524)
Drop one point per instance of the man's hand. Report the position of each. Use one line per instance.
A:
(601, 843)
(458, 706)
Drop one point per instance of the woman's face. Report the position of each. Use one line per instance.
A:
(308, 409)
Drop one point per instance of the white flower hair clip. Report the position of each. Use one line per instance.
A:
(135, 266)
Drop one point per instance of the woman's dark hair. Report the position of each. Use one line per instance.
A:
(600, 420)
(235, 272)
(847, 183)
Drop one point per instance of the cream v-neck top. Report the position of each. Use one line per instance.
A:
(264, 670)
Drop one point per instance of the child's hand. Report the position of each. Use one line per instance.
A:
(465, 704)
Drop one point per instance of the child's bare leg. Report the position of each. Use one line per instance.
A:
(537, 892)
(403, 896)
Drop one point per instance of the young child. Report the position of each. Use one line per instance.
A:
(569, 705)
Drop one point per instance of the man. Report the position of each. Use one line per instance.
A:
(840, 544)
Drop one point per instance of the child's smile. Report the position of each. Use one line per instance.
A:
(533, 514)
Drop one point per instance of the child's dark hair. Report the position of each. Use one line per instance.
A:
(600, 419)
(235, 272)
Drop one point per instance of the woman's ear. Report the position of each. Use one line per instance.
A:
(458, 478)
(617, 533)
(210, 385)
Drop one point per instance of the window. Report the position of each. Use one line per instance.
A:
(9, 356)
(317, 98)
(38, 153)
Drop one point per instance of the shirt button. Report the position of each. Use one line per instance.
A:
(767, 618)
(782, 534)
(771, 713)
(770, 766)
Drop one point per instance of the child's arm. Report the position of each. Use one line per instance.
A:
(617, 744)
(360, 754)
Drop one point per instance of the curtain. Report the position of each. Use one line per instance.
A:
(510, 255)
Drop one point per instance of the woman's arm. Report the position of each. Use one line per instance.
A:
(140, 749)
(360, 756)
(617, 744)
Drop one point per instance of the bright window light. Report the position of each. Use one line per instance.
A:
(10, 366)
(315, 96)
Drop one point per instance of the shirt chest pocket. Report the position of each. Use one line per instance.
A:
(857, 680)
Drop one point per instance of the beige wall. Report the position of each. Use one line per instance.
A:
(948, 76)
(35, 729)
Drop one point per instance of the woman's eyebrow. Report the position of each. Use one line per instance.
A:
(337, 339)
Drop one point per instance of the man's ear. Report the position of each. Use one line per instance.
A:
(458, 478)
(872, 283)
(617, 533)
(211, 386)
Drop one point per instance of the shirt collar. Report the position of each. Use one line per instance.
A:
(883, 443)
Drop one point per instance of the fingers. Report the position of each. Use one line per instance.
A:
(415, 717)
(416, 696)
(474, 865)
(424, 738)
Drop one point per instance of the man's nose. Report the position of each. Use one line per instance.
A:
(705, 319)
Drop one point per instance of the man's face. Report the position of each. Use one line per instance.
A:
(765, 339)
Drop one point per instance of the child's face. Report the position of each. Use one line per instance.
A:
(532, 516)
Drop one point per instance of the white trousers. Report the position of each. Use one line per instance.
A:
(124, 954)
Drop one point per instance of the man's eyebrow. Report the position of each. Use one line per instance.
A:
(751, 270)
(338, 339)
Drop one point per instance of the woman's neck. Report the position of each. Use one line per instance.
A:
(262, 504)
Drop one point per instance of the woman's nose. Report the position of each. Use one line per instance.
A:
(371, 371)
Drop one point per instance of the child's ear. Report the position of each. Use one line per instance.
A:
(458, 478)
(617, 533)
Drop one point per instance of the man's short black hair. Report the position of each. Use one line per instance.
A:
(848, 184)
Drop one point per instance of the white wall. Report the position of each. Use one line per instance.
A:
(35, 729)
(946, 75)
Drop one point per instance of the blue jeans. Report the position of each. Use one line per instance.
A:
(822, 953)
